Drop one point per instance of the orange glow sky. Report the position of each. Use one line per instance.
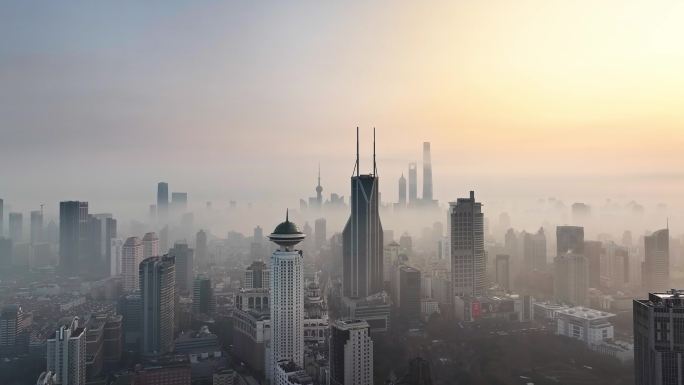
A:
(578, 99)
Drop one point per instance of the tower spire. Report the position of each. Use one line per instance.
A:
(357, 150)
(319, 173)
(375, 168)
(287, 215)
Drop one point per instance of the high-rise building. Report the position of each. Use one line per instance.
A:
(351, 353)
(409, 292)
(6, 251)
(593, 251)
(157, 290)
(101, 230)
(203, 300)
(201, 248)
(468, 261)
(13, 321)
(502, 269)
(179, 202)
(427, 173)
(73, 235)
(571, 279)
(413, 183)
(534, 250)
(656, 265)
(115, 256)
(184, 266)
(66, 354)
(402, 191)
(2, 218)
(569, 239)
(16, 227)
(659, 338)
(320, 232)
(130, 307)
(419, 373)
(257, 276)
(164, 240)
(131, 256)
(36, 226)
(150, 244)
(162, 200)
(363, 236)
(287, 296)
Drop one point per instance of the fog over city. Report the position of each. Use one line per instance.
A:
(341, 193)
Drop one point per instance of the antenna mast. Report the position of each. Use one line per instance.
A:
(375, 168)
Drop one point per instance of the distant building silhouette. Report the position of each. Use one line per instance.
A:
(36, 226)
(203, 299)
(162, 201)
(184, 262)
(150, 244)
(16, 227)
(427, 173)
(571, 279)
(73, 235)
(201, 248)
(413, 183)
(320, 233)
(419, 373)
(402, 191)
(502, 269)
(569, 239)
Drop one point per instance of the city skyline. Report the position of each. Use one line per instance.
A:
(476, 97)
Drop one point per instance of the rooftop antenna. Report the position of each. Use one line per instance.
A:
(356, 167)
(375, 169)
(287, 215)
(319, 173)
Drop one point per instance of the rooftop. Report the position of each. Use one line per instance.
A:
(585, 313)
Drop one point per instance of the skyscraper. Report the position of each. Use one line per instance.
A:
(427, 173)
(131, 256)
(36, 226)
(101, 230)
(16, 227)
(287, 296)
(257, 276)
(413, 183)
(2, 218)
(409, 292)
(402, 191)
(157, 290)
(66, 354)
(179, 202)
(363, 236)
(184, 264)
(594, 251)
(467, 247)
(569, 239)
(571, 279)
(502, 270)
(534, 250)
(203, 300)
(150, 244)
(658, 336)
(656, 265)
(162, 200)
(73, 234)
(320, 232)
(201, 248)
(351, 353)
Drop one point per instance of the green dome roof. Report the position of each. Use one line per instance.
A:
(285, 228)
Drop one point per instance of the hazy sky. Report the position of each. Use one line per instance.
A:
(241, 100)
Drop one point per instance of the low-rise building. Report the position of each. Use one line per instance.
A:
(588, 325)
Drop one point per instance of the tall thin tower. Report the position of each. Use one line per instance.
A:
(362, 236)
(427, 173)
(287, 296)
(413, 183)
(467, 247)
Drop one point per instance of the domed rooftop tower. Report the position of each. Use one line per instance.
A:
(286, 234)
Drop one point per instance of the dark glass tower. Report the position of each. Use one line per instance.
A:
(162, 200)
(569, 239)
(362, 236)
(73, 234)
(158, 293)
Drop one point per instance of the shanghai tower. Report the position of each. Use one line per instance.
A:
(427, 173)
(362, 236)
